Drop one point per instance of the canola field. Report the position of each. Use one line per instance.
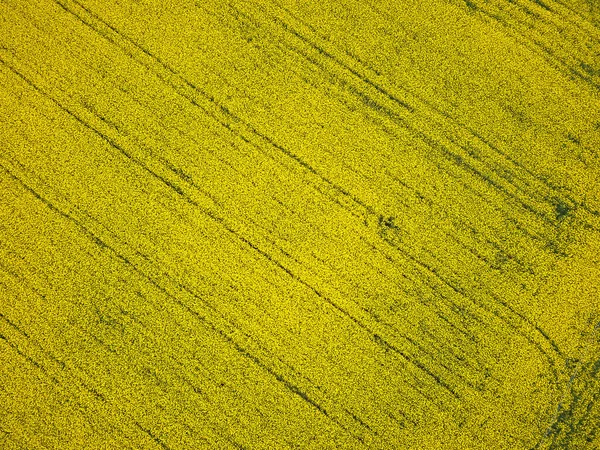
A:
(283, 224)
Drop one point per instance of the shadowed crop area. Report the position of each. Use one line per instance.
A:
(283, 224)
